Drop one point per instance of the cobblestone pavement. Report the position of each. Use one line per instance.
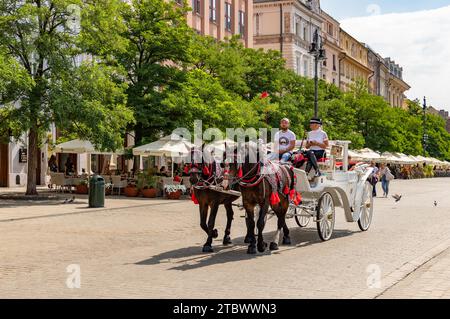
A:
(152, 248)
(432, 280)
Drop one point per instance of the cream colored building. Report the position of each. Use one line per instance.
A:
(288, 26)
(223, 19)
(396, 85)
(330, 35)
(353, 61)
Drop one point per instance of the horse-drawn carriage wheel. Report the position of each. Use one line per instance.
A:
(325, 216)
(366, 215)
(302, 220)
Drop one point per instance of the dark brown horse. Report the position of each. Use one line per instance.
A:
(267, 185)
(202, 177)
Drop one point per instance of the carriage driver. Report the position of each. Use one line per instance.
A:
(284, 143)
(317, 142)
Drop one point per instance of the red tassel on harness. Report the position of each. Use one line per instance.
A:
(286, 190)
(274, 199)
(292, 194)
(240, 174)
(205, 170)
(194, 198)
(298, 199)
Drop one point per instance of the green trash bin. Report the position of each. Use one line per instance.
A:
(96, 191)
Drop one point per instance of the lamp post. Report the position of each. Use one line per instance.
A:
(425, 135)
(318, 53)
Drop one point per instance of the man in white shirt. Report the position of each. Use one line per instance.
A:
(284, 143)
(317, 142)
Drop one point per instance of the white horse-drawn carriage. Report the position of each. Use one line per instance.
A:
(337, 187)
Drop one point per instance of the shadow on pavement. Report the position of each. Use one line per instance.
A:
(189, 258)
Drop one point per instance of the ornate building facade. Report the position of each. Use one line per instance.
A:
(396, 85)
(353, 61)
(288, 26)
(330, 36)
(223, 19)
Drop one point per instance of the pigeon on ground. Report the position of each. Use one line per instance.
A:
(435, 203)
(72, 200)
(397, 197)
(66, 201)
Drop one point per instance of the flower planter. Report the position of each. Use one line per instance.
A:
(81, 189)
(149, 192)
(174, 195)
(131, 191)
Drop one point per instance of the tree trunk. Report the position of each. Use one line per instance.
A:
(32, 161)
(138, 132)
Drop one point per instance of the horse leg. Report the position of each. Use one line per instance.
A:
(286, 238)
(230, 214)
(207, 247)
(250, 221)
(247, 236)
(261, 223)
(282, 222)
(276, 238)
(204, 216)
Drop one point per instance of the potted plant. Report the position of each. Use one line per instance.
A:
(149, 189)
(131, 190)
(174, 191)
(82, 188)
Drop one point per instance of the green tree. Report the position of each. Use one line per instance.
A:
(150, 40)
(42, 37)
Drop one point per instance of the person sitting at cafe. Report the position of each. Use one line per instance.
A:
(70, 167)
(52, 166)
(163, 171)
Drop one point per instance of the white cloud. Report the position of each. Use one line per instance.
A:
(418, 41)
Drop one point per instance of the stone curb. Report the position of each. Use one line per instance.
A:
(404, 271)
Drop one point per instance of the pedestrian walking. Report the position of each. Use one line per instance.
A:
(386, 177)
(373, 178)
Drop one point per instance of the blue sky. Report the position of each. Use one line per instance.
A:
(413, 33)
(343, 9)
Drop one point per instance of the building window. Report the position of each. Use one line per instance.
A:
(298, 65)
(330, 29)
(212, 10)
(242, 23)
(257, 24)
(196, 6)
(334, 62)
(305, 68)
(228, 16)
(334, 81)
(297, 27)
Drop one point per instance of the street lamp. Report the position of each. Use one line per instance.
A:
(425, 135)
(318, 52)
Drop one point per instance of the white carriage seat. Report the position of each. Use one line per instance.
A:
(302, 185)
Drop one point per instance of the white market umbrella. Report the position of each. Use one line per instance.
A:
(78, 146)
(391, 158)
(172, 146)
(369, 155)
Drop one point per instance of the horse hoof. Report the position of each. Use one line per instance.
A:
(215, 234)
(227, 240)
(208, 249)
(251, 250)
(273, 246)
(287, 241)
(262, 247)
(247, 240)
